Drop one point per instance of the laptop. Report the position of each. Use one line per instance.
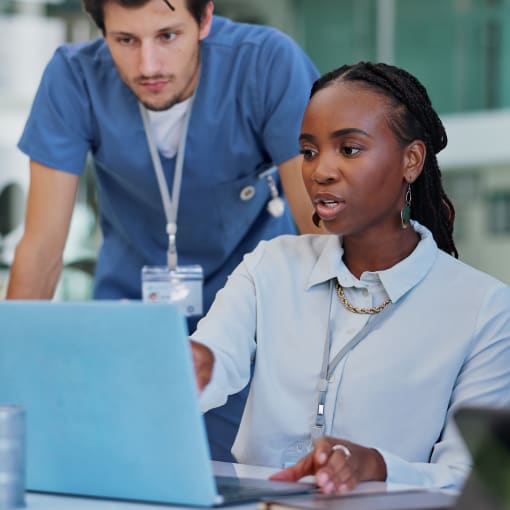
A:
(112, 406)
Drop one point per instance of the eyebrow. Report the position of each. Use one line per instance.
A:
(160, 31)
(348, 131)
(169, 5)
(336, 134)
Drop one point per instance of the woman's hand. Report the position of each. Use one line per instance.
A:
(338, 465)
(203, 361)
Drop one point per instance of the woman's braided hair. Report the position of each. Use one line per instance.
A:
(411, 117)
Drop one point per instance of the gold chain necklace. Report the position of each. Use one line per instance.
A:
(355, 309)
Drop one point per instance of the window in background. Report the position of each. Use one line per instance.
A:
(461, 46)
(463, 189)
(336, 32)
(498, 213)
(457, 48)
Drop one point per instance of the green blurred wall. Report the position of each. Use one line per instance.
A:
(336, 32)
(460, 49)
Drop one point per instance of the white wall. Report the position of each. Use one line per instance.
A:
(479, 146)
(479, 138)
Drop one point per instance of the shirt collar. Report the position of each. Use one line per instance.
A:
(397, 280)
(329, 263)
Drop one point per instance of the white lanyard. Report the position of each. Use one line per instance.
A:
(171, 205)
(327, 369)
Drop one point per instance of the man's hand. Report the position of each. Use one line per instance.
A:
(338, 465)
(203, 360)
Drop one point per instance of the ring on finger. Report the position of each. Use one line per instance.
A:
(343, 449)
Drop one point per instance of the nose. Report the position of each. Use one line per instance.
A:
(326, 169)
(149, 60)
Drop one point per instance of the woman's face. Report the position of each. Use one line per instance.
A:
(353, 165)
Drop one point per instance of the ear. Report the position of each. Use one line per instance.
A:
(414, 159)
(206, 21)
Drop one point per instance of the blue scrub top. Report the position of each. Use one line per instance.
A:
(253, 89)
(254, 86)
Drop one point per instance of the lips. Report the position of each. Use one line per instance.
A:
(154, 86)
(328, 206)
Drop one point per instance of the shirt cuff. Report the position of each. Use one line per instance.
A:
(214, 394)
(422, 474)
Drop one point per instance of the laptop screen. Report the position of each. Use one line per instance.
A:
(110, 398)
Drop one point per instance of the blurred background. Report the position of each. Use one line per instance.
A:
(460, 50)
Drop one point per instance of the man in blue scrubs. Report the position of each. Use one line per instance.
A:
(249, 85)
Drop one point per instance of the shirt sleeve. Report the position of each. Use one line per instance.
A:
(228, 330)
(484, 380)
(285, 78)
(57, 132)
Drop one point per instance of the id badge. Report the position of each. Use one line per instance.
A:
(181, 286)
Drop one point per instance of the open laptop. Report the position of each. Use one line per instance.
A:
(111, 402)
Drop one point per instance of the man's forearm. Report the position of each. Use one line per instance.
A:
(32, 277)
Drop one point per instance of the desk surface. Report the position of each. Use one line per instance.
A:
(37, 501)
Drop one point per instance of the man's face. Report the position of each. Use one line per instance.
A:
(156, 49)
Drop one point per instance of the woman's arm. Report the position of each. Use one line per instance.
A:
(224, 344)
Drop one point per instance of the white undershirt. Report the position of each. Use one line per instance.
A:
(167, 126)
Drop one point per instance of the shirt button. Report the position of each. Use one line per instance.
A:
(247, 193)
(365, 292)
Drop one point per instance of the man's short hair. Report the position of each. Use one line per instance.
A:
(95, 8)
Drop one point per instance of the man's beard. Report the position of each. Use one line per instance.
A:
(178, 96)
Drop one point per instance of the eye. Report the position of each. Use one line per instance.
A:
(349, 150)
(308, 154)
(126, 41)
(168, 36)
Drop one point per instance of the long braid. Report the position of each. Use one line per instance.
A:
(412, 117)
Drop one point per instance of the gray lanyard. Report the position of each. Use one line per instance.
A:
(327, 369)
(170, 205)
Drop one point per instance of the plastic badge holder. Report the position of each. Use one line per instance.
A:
(181, 286)
(295, 452)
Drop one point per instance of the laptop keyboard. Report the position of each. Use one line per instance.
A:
(250, 489)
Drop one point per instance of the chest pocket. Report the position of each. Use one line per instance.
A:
(240, 204)
(214, 219)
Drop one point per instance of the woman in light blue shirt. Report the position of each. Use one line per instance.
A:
(367, 340)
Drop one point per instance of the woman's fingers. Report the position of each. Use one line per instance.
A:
(339, 465)
(203, 361)
(294, 473)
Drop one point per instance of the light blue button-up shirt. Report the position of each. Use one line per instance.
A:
(444, 343)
